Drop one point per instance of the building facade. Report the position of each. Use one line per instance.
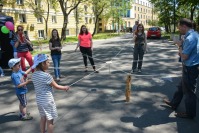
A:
(23, 14)
(141, 10)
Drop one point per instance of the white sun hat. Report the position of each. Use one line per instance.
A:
(12, 62)
(38, 59)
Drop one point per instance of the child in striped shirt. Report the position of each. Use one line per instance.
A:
(44, 84)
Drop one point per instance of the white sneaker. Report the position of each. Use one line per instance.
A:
(58, 79)
(2, 75)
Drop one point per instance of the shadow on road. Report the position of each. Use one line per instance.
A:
(8, 117)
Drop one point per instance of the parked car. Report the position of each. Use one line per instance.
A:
(154, 32)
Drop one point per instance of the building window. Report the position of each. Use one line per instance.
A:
(128, 13)
(54, 19)
(22, 18)
(135, 15)
(135, 8)
(41, 33)
(19, 2)
(25, 32)
(39, 20)
(67, 31)
(36, 2)
(85, 8)
(138, 8)
(94, 20)
(129, 24)
(141, 9)
(93, 8)
(86, 20)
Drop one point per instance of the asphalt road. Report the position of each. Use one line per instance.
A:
(96, 101)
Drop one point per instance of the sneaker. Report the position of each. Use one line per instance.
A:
(96, 71)
(58, 79)
(2, 75)
(139, 70)
(20, 115)
(133, 71)
(61, 76)
(26, 118)
(166, 101)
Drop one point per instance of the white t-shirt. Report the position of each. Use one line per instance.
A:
(44, 94)
(134, 28)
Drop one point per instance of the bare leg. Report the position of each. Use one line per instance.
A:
(43, 124)
(50, 125)
(22, 109)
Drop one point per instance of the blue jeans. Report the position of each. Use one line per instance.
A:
(56, 62)
(1, 71)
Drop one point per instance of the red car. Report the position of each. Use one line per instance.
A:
(154, 32)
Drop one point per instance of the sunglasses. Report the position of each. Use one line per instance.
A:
(20, 30)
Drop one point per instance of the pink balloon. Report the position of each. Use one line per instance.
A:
(9, 25)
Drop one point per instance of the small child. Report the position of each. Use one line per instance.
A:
(1, 72)
(44, 84)
(20, 86)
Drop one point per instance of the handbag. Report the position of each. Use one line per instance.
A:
(30, 47)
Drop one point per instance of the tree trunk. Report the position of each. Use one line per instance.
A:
(174, 16)
(118, 26)
(198, 19)
(96, 25)
(46, 28)
(63, 32)
(192, 12)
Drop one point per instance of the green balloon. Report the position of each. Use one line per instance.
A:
(5, 30)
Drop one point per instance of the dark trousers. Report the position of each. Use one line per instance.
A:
(187, 88)
(138, 56)
(87, 53)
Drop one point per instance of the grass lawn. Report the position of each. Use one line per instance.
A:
(71, 39)
(74, 38)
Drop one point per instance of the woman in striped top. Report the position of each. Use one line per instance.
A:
(44, 84)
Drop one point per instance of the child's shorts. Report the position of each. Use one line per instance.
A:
(22, 99)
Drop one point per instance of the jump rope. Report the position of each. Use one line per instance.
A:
(105, 63)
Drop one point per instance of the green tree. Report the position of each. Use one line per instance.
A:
(193, 6)
(119, 9)
(98, 7)
(67, 6)
(40, 12)
(166, 15)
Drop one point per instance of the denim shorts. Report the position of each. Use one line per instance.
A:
(22, 99)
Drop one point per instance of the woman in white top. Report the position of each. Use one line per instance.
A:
(44, 84)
